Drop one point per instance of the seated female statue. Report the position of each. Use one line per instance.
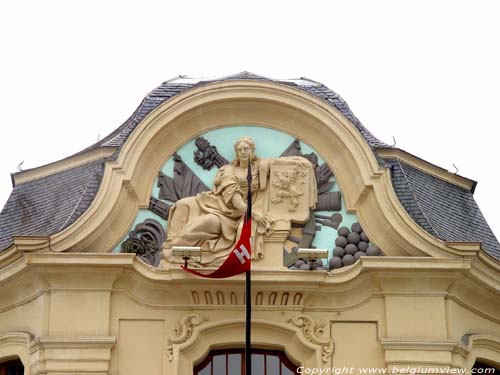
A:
(212, 220)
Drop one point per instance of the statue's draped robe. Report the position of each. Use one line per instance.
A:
(218, 202)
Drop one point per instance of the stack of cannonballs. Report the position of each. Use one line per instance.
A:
(309, 265)
(350, 245)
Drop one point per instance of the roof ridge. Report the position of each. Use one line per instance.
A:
(245, 74)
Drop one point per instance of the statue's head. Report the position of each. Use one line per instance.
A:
(244, 149)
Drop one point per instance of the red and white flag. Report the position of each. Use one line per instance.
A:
(238, 261)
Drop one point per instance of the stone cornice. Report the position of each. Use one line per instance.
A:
(72, 343)
(427, 167)
(62, 165)
(36, 274)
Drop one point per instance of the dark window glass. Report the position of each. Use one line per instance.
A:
(12, 367)
(232, 362)
(485, 368)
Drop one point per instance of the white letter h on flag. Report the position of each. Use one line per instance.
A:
(242, 254)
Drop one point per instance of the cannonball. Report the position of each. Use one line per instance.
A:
(372, 251)
(351, 249)
(347, 260)
(316, 265)
(358, 254)
(343, 231)
(364, 237)
(341, 241)
(305, 267)
(353, 237)
(356, 227)
(338, 252)
(299, 262)
(335, 262)
(362, 245)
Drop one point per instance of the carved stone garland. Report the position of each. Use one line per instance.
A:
(313, 332)
(183, 332)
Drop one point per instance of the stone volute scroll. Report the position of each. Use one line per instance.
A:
(315, 333)
(183, 332)
(284, 191)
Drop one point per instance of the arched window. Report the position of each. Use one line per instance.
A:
(232, 362)
(12, 367)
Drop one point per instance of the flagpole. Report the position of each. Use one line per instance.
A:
(248, 340)
(248, 286)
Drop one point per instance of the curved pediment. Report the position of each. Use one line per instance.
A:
(366, 187)
(103, 212)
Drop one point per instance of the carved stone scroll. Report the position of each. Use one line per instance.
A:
(183, 332)
(146, 241)
(206, 156)
(184, 184)
(313, 333)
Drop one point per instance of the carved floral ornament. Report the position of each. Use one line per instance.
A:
(294, 192)
(311, 331)
(314, 333)
(183, 332)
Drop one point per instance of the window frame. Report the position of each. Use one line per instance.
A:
(281, 356)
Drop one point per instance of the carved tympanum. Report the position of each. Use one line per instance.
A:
(212, 219)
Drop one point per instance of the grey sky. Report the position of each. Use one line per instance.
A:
(425, 72)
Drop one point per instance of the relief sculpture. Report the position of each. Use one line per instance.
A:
(212, 219)
(289, 184)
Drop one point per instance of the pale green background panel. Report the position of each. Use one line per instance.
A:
(270, 143)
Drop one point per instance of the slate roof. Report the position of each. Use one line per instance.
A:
(169, 89)
(445, 210)
(47, 205)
